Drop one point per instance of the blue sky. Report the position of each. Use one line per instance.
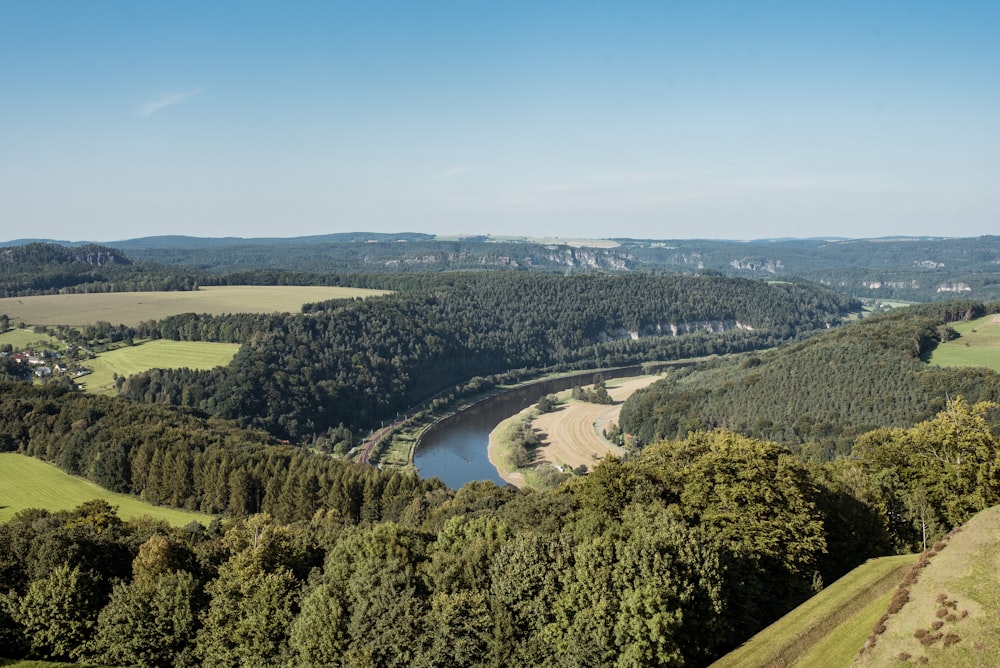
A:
(684, 119)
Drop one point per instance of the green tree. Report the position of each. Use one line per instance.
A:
(59, 613)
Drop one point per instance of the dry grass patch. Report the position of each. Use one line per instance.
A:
(131, 308)
(573, 434)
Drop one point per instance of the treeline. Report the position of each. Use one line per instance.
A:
(357, 363)
(178, 458)
(670, 558)
(819, 395)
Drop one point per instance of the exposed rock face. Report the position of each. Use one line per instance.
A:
(894, 285)
(674, 329)
(954, 287)
(766, 265)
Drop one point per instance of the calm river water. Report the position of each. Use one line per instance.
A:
(455, 449)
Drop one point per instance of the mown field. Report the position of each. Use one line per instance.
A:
(131, 308)
(978, 345)
(26, 482)
(158, 354)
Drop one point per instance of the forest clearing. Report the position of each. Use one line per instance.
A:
(156, 354)
(977, 345)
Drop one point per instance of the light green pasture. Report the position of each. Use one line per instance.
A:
(26, 482)
(25, 339)
(131, 308)
(978, 345)
(158, 354)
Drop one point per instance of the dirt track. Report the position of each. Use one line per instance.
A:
(573, 432)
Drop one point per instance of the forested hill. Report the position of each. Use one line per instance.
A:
(46, 268)
(356, 363)
(820, 394)
(906, 268)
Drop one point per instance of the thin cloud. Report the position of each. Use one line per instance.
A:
(169, 100)
(453, 173)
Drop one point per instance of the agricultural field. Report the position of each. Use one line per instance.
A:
(571, 435)
(131, 308)
(158, 354)
(978, 345)
(26, 482)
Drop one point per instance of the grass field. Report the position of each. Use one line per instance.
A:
(26, 339)
(978, 345)
(158, 354)
(838, 620)
(131, 308)
(26, 482)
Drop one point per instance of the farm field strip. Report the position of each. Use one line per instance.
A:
(26, 482)
(131, 308)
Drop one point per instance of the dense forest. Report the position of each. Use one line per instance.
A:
(355, 363)
(758, 477)
(670, 558)
(820, 394)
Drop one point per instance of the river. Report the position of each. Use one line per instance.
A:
(455, 448)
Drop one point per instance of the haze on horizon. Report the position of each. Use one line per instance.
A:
(629, 119)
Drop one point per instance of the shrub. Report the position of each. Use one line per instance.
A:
(899, 599)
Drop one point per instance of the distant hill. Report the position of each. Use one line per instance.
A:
(890, 268)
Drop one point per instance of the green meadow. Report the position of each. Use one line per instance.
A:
(158, 354)
(26, 339)
(131, 308)
(978, 345)
(26, 482)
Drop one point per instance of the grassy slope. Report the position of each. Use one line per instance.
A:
(836, 617)
(964, 572)
(26, 482)
(979, 345)
(830, 628)
(131, 308)
(159, 354)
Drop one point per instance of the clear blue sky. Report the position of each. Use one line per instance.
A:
(696, 118)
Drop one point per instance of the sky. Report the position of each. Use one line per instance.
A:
(664, 120)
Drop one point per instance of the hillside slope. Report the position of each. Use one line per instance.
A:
(953, 608)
